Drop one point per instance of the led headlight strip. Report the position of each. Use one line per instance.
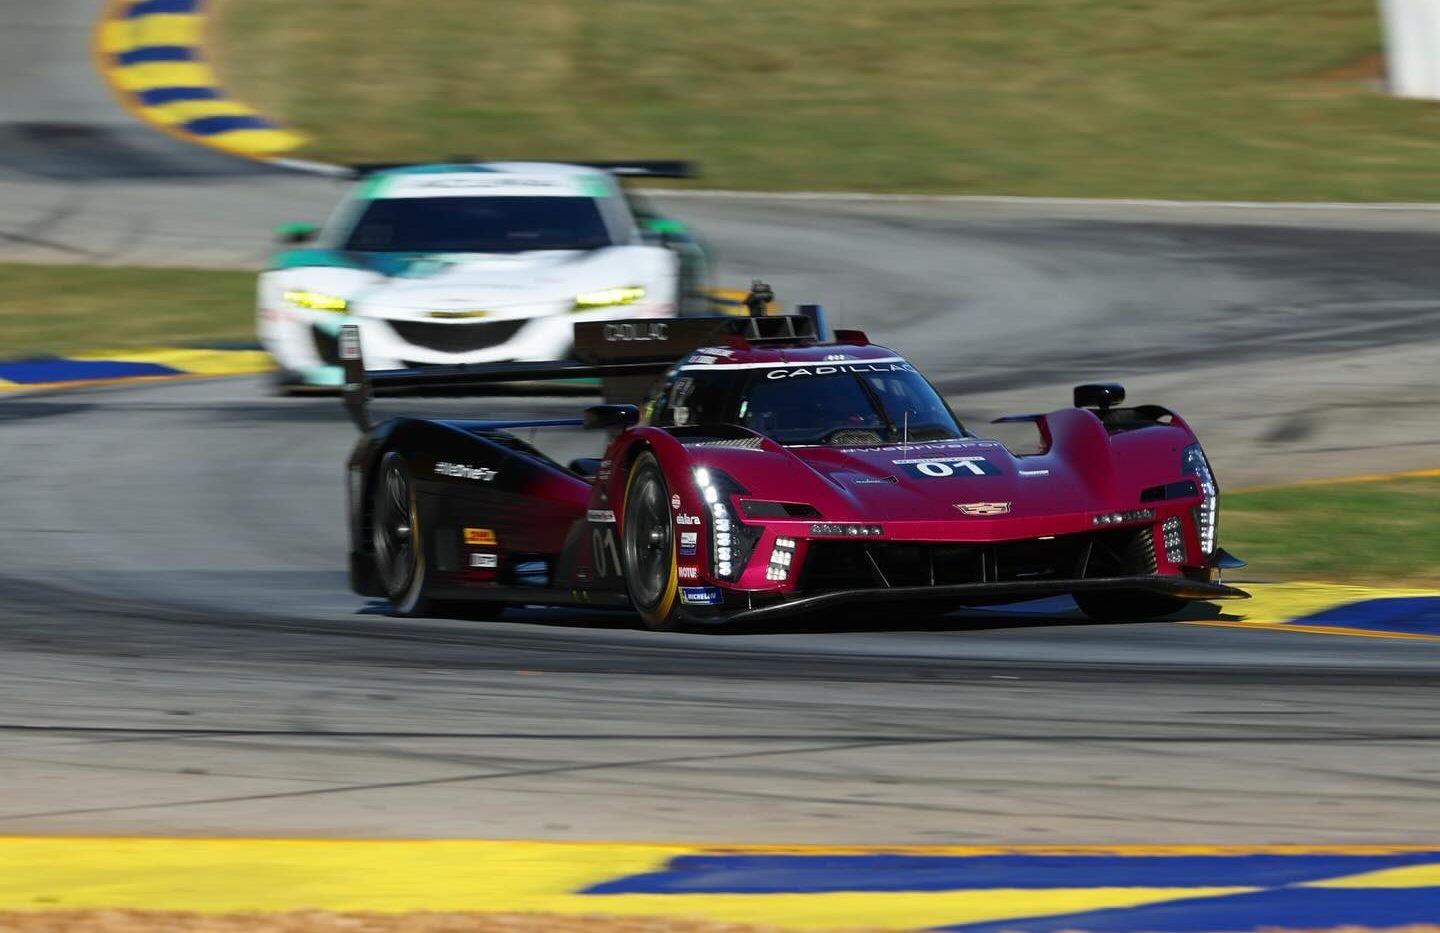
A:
(609, 297)
(1207, 513)
(316, 301)
(1174, 540)
(1120, 518)
(845, 529)
(730, 540)
(781, 558)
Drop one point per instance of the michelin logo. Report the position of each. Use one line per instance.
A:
(701, 595)
(465, 471)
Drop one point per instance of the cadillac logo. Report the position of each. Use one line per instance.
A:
(983, 508)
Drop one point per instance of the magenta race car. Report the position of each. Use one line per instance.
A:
(767, 473)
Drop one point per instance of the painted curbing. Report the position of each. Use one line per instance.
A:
(152, 55)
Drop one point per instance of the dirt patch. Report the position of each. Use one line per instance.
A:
(1369, 67)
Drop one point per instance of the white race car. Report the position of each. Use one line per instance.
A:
(474, 262)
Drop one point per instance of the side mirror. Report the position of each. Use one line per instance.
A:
(1101, 395)
(611, 416)
(296, 232)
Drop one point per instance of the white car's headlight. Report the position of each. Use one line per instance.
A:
(609, 297)
(316, 301)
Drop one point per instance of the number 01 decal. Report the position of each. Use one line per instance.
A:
(950, 466)
(605, 552)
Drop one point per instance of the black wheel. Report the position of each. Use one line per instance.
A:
(1128, 605)
(395, 532)
(648, 545)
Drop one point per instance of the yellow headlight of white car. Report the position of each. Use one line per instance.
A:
(316, 301)
(609, 297)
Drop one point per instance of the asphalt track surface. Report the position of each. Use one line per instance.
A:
(179, 653)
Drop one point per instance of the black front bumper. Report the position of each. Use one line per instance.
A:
(979, 594)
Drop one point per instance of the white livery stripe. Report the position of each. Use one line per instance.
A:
(809, 364)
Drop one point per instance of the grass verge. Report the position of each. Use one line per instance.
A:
(1276, 99)
(1379, 532)
(48, 309)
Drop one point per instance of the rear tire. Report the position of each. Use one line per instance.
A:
(1128, 605)
(648, 546)
(397, 538)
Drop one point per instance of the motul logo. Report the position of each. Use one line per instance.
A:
(983, 508)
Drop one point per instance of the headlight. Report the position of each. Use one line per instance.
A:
(731, 541)
(1207, 513)
(316, 301)
(608, 297)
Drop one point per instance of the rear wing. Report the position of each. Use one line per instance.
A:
(625, 356)
(639, 168)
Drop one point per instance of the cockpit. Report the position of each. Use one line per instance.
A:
(850, 403)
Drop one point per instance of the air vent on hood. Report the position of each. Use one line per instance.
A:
(760, 508)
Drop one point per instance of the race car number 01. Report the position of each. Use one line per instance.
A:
(607, 554)
(938, 468)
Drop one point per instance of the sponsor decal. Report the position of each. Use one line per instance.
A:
(1034, 472)
(465, 471)
(701, 595)
(689, 573)
(603, 516)
(349, 342)
(936, 467)
(479, 536)
(630, 331)
(688, 542)
(716, 351)
(835, 357)
(906, 448)
(604, 472)
(703, 360)
(675, 501)
(823, 370)
(485, 561)
(683, 519)
(983, 508)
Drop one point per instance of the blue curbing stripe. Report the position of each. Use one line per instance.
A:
(30, 372)
(1410, 614)
(1284, 908)
(157, 53)
(815, 874)
(169, 95)
(150, 7)
(211, 126)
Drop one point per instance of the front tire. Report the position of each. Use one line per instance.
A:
(648, 546)
(1128, 605)
(397, 538)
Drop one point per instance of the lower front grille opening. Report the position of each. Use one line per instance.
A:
(847, 565)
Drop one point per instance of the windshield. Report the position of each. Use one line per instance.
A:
(478, 225)
(855, 404)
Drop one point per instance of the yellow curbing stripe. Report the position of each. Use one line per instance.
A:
(115, 33)
(210, 875)
(192, 362)
(230, 875)
(1272, 605)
